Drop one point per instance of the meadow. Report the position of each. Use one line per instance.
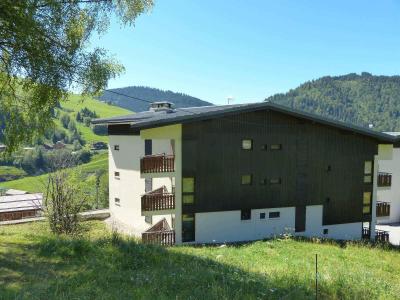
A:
(99, 264)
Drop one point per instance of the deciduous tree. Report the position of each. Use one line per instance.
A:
(44, 53)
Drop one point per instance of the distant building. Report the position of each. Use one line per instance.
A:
(59, 145)
(48, 146)
(16, 207)
(99, 146)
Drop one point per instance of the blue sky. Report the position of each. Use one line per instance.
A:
(253, 49)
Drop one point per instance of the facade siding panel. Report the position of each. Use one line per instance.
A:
(317, 165)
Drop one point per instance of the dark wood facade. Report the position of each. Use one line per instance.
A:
(317, 165)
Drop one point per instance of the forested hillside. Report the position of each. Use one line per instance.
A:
(358, 99)
(149, 94)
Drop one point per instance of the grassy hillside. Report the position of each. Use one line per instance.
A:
(149, 94)
(36, 265)
(358, 99)
(75, 103)
(36, 183)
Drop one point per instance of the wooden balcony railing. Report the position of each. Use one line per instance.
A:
(382, 209)
(159, 234)
(384, 179)
(158, 199)
(380, 235)
(157, 163)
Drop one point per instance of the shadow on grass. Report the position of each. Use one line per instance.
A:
(119, 268)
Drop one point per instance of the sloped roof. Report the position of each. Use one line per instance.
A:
(150, 119)
(20, 202)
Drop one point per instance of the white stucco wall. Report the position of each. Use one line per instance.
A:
(129, 187)
(226, 226)
(314, 227)
(170, 132)
(391, 194)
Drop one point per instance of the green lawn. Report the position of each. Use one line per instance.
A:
(75, 103)
(10, 172)
(36, 265)
(36, 183)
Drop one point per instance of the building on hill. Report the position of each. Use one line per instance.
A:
(388, 188)
(243, 172)
(20, 206)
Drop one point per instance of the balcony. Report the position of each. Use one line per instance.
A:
(158, 200)
(159, 234)
(384, 179)
(380, 235)
(159, 163)
(382, 209)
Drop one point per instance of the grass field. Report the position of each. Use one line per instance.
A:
(10, 172)
(36, 265)
(75, 103)
(36, 183)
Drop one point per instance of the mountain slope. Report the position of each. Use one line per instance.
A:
(149, 94)
(358, 99)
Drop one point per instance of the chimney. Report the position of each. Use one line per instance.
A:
(161, 106)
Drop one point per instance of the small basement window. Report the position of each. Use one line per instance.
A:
(245, 214)
(326, 231)
(262, 215)
(117, 201)
(274, 214)
(246, 179)
(116, 147)
(276, 147)
(275, 181)
(116, 174)
(148, 219)
(247, 144)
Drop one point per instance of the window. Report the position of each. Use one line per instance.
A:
(262, 215)
(117, 201)
(245, 214)
(148, 185)
(329, 168)
(276, 147)
(367, 203)
(116, 147)
(188, 185)
(188, 228)
(368, 167)
(368, 171)
(148, 147)
(148, 219)
(275, 181)
(247, 144)
(264, 147)
(367, 178)
(263, 181)
(274, 214)
(326, 231)
(188, 199)
(116, 174)
(246, 179)
(367, 198)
